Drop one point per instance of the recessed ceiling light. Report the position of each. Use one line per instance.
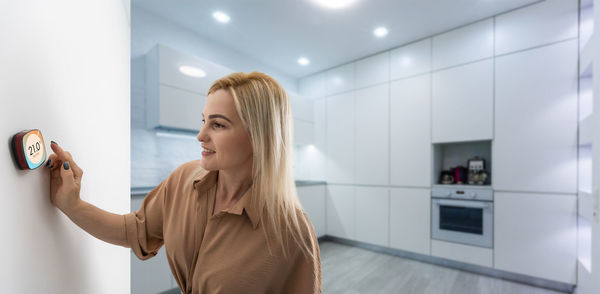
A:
(380, 32)
(303, 61)
(221, 17)
(334, 4)
(192, 71)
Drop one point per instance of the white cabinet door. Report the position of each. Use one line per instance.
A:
(465, 44)
(410, 60)
(152, 275)
(339, 79)
(462, 103)
(312, 199)
(303, 132)
(372, 215)
(317, 154)
(302, 107)
(410, 219)
(542, 23)
(536, 234)
(373, 70)
(372, 137)
(312, 86)
(410, 134)
(340, 211)
(340, 138)
(535, 144)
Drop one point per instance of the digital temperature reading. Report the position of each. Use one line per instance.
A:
(28, 149)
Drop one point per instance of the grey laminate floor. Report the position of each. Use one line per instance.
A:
(348, 269)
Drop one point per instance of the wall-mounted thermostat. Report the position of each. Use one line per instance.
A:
(28, 149)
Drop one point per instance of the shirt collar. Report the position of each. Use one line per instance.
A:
(205, 180)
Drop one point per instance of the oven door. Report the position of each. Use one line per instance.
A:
(462, 221)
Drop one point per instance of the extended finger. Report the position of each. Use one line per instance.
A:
(62, 155)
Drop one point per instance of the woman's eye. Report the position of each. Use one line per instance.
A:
(220, 126)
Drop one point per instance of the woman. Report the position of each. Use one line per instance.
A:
(208, 212)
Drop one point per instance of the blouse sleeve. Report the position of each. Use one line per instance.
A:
(305, 276)
(145, 227)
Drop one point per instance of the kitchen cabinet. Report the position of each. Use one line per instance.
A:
(372, 215)
(340, 211)
(302, 113)
(410, 60)
(539, 24)
(462, 103)
(340, 139)
(462, 45)
(462, 253)
(372, 135)
(317, 151)
(410, 134)
(173, 99)
(313, 200)
(152, 275)
(312, 86)
(373, 70)
(338, 79)
(410, 219)
(536, 235)
(535, 144)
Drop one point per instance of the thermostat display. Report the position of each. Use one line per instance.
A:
(28, 149)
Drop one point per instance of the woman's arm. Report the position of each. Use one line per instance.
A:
(104, 225)
(65, 184)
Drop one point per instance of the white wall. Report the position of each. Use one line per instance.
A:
(64, 70)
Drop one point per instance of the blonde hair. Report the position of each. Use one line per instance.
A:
(264, 108)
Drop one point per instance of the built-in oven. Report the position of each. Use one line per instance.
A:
(462, 215)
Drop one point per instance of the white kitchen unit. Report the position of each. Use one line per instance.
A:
(410, 132)
(152, 275)
(539, 24)
(410, 219)
(535, 145)
(313, 200)
(340, 139)
(341, 211)
(172, 97)
(372, 215)
(338, 79)
(312, 86)
(462, 103)
(410, 60)
(463, 253)
(373, 70)
(318, 156)
(372, 135)
(536, 235)
(303, 118)
(465, 44)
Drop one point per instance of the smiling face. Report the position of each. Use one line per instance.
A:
(223, 132)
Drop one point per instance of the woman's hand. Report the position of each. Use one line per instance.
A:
(65, 178)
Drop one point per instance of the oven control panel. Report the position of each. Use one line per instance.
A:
(462, 193)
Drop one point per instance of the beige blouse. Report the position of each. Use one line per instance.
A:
(224, 253)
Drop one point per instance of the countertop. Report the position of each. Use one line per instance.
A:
(143, 191)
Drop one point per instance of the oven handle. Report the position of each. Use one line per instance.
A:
(462, 203)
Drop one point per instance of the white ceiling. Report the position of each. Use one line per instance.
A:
(278, 32)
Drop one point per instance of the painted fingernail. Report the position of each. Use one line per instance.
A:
(53, 142)
(48, 162)
(66, 165)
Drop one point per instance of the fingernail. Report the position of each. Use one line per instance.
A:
(66, 165)
(48, 162)
(53, 142)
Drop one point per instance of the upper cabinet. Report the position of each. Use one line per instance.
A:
(535, 135)
(469, 43)
(462, 103)
(372, 135)
(409, 60)
(312, 86)
(175, 99)
(539, 24)
(339, 79)
(373, 70)
(340, 120)
(302, 113)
